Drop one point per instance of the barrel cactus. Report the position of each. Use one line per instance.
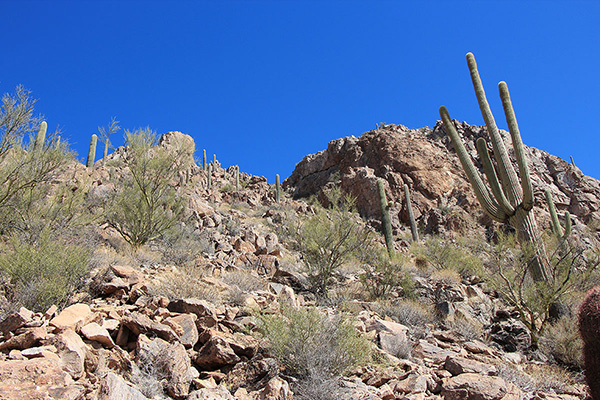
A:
(589, 329)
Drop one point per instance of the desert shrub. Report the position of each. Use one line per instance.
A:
(330, 238)
(182, 245)
(185, 282)
(408, 312)
(146, 204)
(25, 171)
(381, 274)
(447, 254)
(536, 377)
(311, 344)
(468, 328)
(562, 342)
(569, 270)
(447, 276)
(44, 273)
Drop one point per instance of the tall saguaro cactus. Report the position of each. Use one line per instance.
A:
(92, 152)
(204, 159)
(386, 222)
(509, 202)
(411, 216)
(237, 178)
(277, 189)
(40, 138)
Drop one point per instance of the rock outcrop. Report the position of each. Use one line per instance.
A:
(424, 159)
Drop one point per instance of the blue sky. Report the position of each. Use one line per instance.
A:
(263, 83)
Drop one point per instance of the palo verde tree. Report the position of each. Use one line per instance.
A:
(509, 201)
(145, 204)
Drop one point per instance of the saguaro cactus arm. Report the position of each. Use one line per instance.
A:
(515, 134)
(554, 222)
(482, 193)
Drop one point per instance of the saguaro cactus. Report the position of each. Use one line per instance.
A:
(92, 152)
(40, 138)
(411, 216)
(589, 329)
(237, 178)
(509, 202)
(209, 185)
(554, 222)
(386, 222)
(277, 189)
(204, 159)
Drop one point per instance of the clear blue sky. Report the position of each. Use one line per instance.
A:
(263, 83)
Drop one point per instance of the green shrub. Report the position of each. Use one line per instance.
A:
(329, 239)
(381, 275)
(569, 271)
(146, 205)
(562, 342)
(309, 343)
(408, 312)
(44, 273)
(445, 254)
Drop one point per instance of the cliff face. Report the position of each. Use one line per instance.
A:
(425, 160)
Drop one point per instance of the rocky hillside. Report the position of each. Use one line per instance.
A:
(221, 306)
(424, 159)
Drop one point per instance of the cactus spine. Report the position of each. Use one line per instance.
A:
(40, 138)
(589, 329)
(411, 216)
(509, 202)
(204, 159)
(386, 222)
(554, 222)
(92, 152)
(277, 189)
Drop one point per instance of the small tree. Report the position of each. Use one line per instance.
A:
(145, 204)
(330, 238)
(569, 271)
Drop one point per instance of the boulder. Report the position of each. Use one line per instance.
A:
(251, 375)
(72, 351)
(15, 320)
(219, 393)
(27, 339)
(189, 332)
(73, 317)
(93, 331)
(215, 354)
(36, 379)
(207, 317)
(139, 323)
(472, 386)
(460, 365)
(113, 387)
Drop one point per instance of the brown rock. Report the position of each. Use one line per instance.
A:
(460, 365)
(114, 387)
(219, 393)
(36, 379)
(72, 351)
(243, 247)
(251, 375)
(276, 389)
(27, 339)
(34, 352)
(129, 274)
(430, 352)
(187, 323)
(95, 332)
(474, 387)
(414, 383)
(15, 320)
(215, 353)
(73, 317)
(139, 323)
(207, 317)
(242, 345)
